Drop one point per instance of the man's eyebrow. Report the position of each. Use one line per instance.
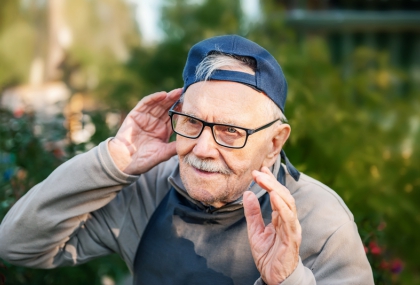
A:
(190, 114)
(228, 122)
(217, 121)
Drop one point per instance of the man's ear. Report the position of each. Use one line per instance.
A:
(277, 140)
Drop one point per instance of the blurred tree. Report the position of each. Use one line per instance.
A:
(152, 69)
(16, 35)
(101, 34)
(8, 12)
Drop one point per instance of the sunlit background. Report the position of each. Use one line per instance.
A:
(70, 71)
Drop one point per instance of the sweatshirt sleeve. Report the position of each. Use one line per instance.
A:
(58, 223)
(341, 261)
(301, 275)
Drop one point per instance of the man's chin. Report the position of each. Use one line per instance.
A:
(204, 196)
(200, 186)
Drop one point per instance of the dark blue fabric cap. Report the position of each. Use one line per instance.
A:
(269, 77)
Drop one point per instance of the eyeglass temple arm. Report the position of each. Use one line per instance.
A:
(250, 132)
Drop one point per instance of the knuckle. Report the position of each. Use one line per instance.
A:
(291, 201)
(293, 218)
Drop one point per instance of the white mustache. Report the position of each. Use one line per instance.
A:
(206, 165)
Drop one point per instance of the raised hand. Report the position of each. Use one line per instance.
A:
(275, 247)
(142, 140)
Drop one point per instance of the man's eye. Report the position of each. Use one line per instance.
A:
(231, 130)
(192, 121)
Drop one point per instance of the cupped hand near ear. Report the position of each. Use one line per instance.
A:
(142, 140)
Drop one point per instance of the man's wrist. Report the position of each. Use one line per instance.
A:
(119, 154)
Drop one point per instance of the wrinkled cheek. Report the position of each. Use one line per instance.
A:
(183, 146)
(189, 179)
(239, 183)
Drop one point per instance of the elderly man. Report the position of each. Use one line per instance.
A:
(215, 207)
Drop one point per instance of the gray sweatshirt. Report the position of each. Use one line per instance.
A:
(88, 208)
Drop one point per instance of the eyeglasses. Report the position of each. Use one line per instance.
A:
(225, 135)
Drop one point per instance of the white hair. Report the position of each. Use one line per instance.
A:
(206, 164)
(218, 60)
(215, 61)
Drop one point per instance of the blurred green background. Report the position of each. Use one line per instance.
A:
(71, 70)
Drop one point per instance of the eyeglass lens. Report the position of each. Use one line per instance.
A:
(223, 134)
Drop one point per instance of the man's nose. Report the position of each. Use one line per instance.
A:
(205, 146)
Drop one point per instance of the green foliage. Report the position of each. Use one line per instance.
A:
(13, 41)
(25, 160)
(17, 145)
(8, 12)
(191, 23)
(354, 130)
(90, 273)
(152, 69)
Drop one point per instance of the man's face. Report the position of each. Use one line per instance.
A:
(229, 103)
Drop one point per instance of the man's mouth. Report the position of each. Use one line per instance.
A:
(205, 171)
(205, 166)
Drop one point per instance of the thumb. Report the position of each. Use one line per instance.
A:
(167, 151)
(254, 220)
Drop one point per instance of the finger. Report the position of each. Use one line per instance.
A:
(152, 99)
(167, 151)
(286, 217)
(175, 94)
(167, 101)
(172, 97)
(280, 189)
(253, 216)
(158, 103)
(268, 182)
(168, 127)
(265, 175)
(275, 219)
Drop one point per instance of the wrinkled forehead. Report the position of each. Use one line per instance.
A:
(225, 101)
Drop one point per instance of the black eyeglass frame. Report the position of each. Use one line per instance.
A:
(248, 132)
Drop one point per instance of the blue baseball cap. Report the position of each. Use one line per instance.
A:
(268, 78)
